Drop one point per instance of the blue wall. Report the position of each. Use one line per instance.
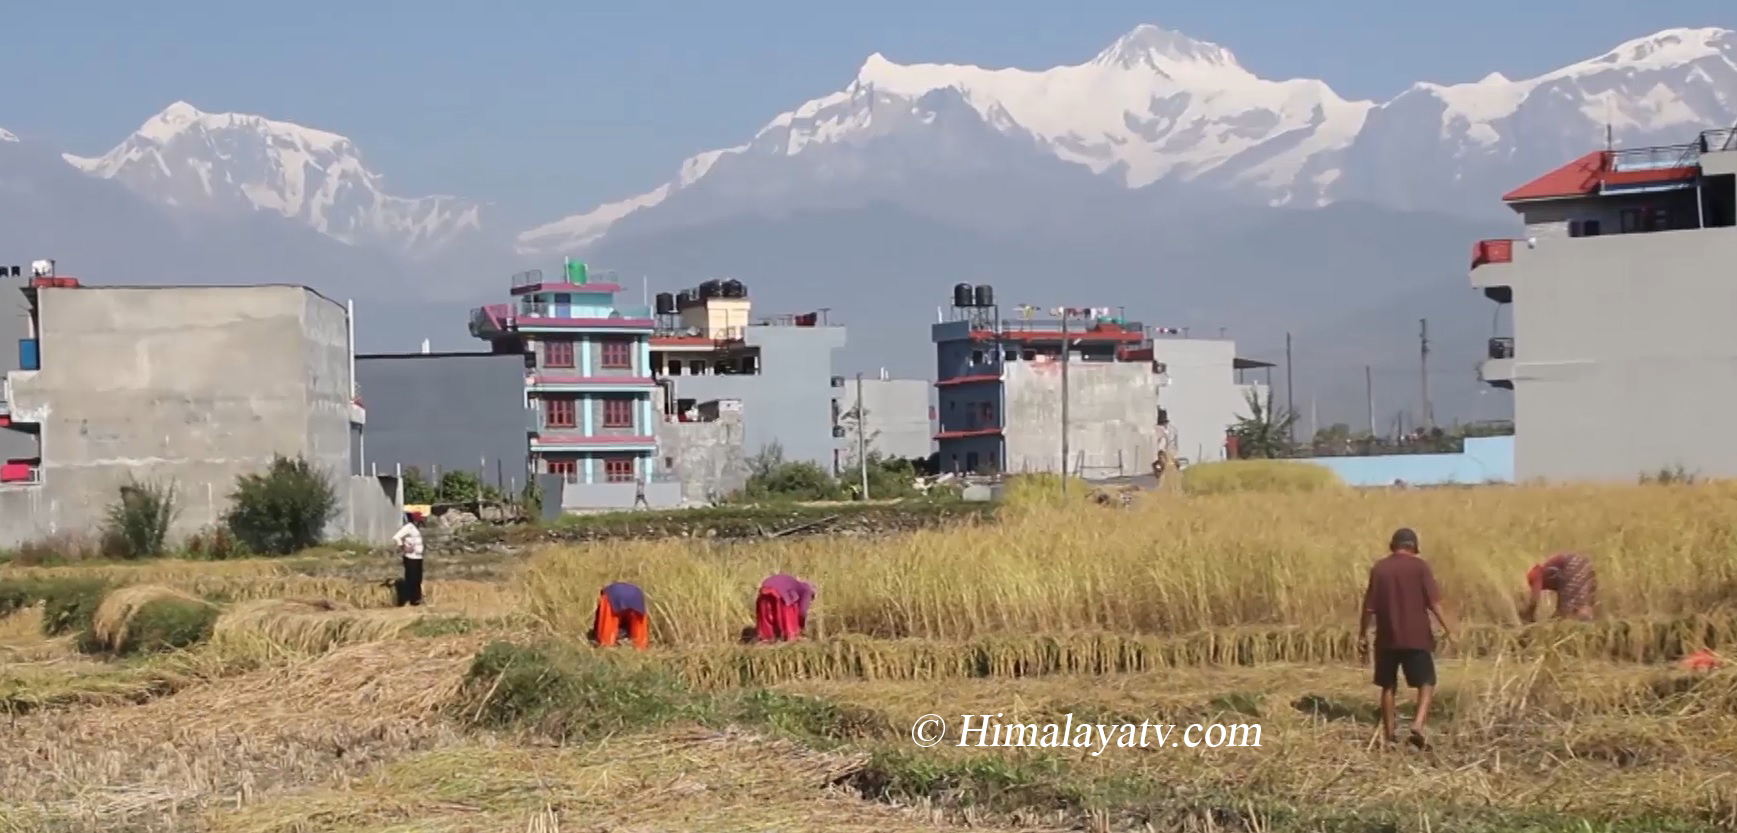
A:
(1485, 460)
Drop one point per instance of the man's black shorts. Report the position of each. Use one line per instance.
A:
(1419, 667)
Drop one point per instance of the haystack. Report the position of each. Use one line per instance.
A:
(110, 627)
(312, 626)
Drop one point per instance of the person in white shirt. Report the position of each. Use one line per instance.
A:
(409, 541)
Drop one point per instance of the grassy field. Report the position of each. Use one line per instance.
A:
(271, 696)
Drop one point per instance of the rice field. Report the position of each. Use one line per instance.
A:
(288, 696)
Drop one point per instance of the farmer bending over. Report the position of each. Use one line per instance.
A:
(781, 611)
(1571, 577)
(1399, 601)
(621, 608)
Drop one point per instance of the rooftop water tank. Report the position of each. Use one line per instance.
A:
(984, 295)
(962, 296)
(666, 303)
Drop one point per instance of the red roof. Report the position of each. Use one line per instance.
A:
(1584, 176)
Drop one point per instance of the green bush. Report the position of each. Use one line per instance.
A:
(138, 523)
(168, 624)
(771, 477)
(569, 694)
(69, 605)
(283, 510)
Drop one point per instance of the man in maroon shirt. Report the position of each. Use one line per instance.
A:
(1399, 601)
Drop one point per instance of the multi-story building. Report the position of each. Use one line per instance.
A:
(589, 382)
(710, 347)
(186, 386)
(1621, 357)
(1000, 390)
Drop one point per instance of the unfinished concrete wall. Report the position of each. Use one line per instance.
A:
(1200, 393)
(708, 459)
(790, 401)
(1113, 408)
(447, 412)
(604, 497)
(189, 385)
(373, 508)
(896, 417)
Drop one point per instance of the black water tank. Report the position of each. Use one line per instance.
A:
(962, 295)
(666, 303)
(734, 289)
(984, 295)
(685, 297)
(710, 289)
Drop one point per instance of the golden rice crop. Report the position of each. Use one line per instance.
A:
(1258, 476)
(1095, 654)
(1176, 564)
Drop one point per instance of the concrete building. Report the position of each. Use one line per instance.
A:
(589, 382)
(710, 347)
(190, 386)
(897, 414)
(999, 387)
(441, 412)
(1200, 387)
(1621, 355)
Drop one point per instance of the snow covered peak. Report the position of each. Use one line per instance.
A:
(225, 161)
(7, 135)
(1669, 48)
(1154, 48)
(1159, 106)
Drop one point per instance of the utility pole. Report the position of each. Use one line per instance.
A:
(862, 437)
(1066, 349)
(1423, 368)
(1290, 402)
(1369, 396)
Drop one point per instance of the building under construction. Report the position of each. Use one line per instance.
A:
(1008, 401)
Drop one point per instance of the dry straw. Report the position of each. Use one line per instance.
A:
(1176, 565)
(309, 626)
(114, 616)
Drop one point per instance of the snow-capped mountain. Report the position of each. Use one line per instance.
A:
(7, 135)
(1159, 108)
(229, 162)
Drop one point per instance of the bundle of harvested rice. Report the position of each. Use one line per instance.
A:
(149, 617)
(312, 626)
(1010, 656)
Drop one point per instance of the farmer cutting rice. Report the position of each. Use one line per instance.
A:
(781, 611)
(621, 608)
(409, 541)
(1571, 577)
(1399, 601)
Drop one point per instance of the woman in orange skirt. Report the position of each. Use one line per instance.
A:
(621, 607)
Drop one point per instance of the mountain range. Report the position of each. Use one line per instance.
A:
(1159, 175)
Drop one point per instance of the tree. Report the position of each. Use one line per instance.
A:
(283, 510)
(1265, 433)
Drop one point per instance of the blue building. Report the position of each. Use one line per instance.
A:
(588, 382)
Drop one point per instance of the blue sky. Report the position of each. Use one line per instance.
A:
(551, 107)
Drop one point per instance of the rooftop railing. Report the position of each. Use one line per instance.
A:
(1723, 138)
(1655, 158)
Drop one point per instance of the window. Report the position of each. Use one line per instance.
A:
(971, 462)
(1583, 228)
(618, 413)
(617, 353)
(558, 354)
(566, 468)
(976, 357)
(618, 469)
(559, 413)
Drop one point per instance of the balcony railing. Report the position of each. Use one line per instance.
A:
(1724, 138)
(1501, 347)
(1492, 251)
(544, 309)
(1655, 158)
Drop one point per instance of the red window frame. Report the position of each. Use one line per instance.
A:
(566, 468)
(616, 354)
(618, 469)
(560, 413)
(557, 354)
(618, 413)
